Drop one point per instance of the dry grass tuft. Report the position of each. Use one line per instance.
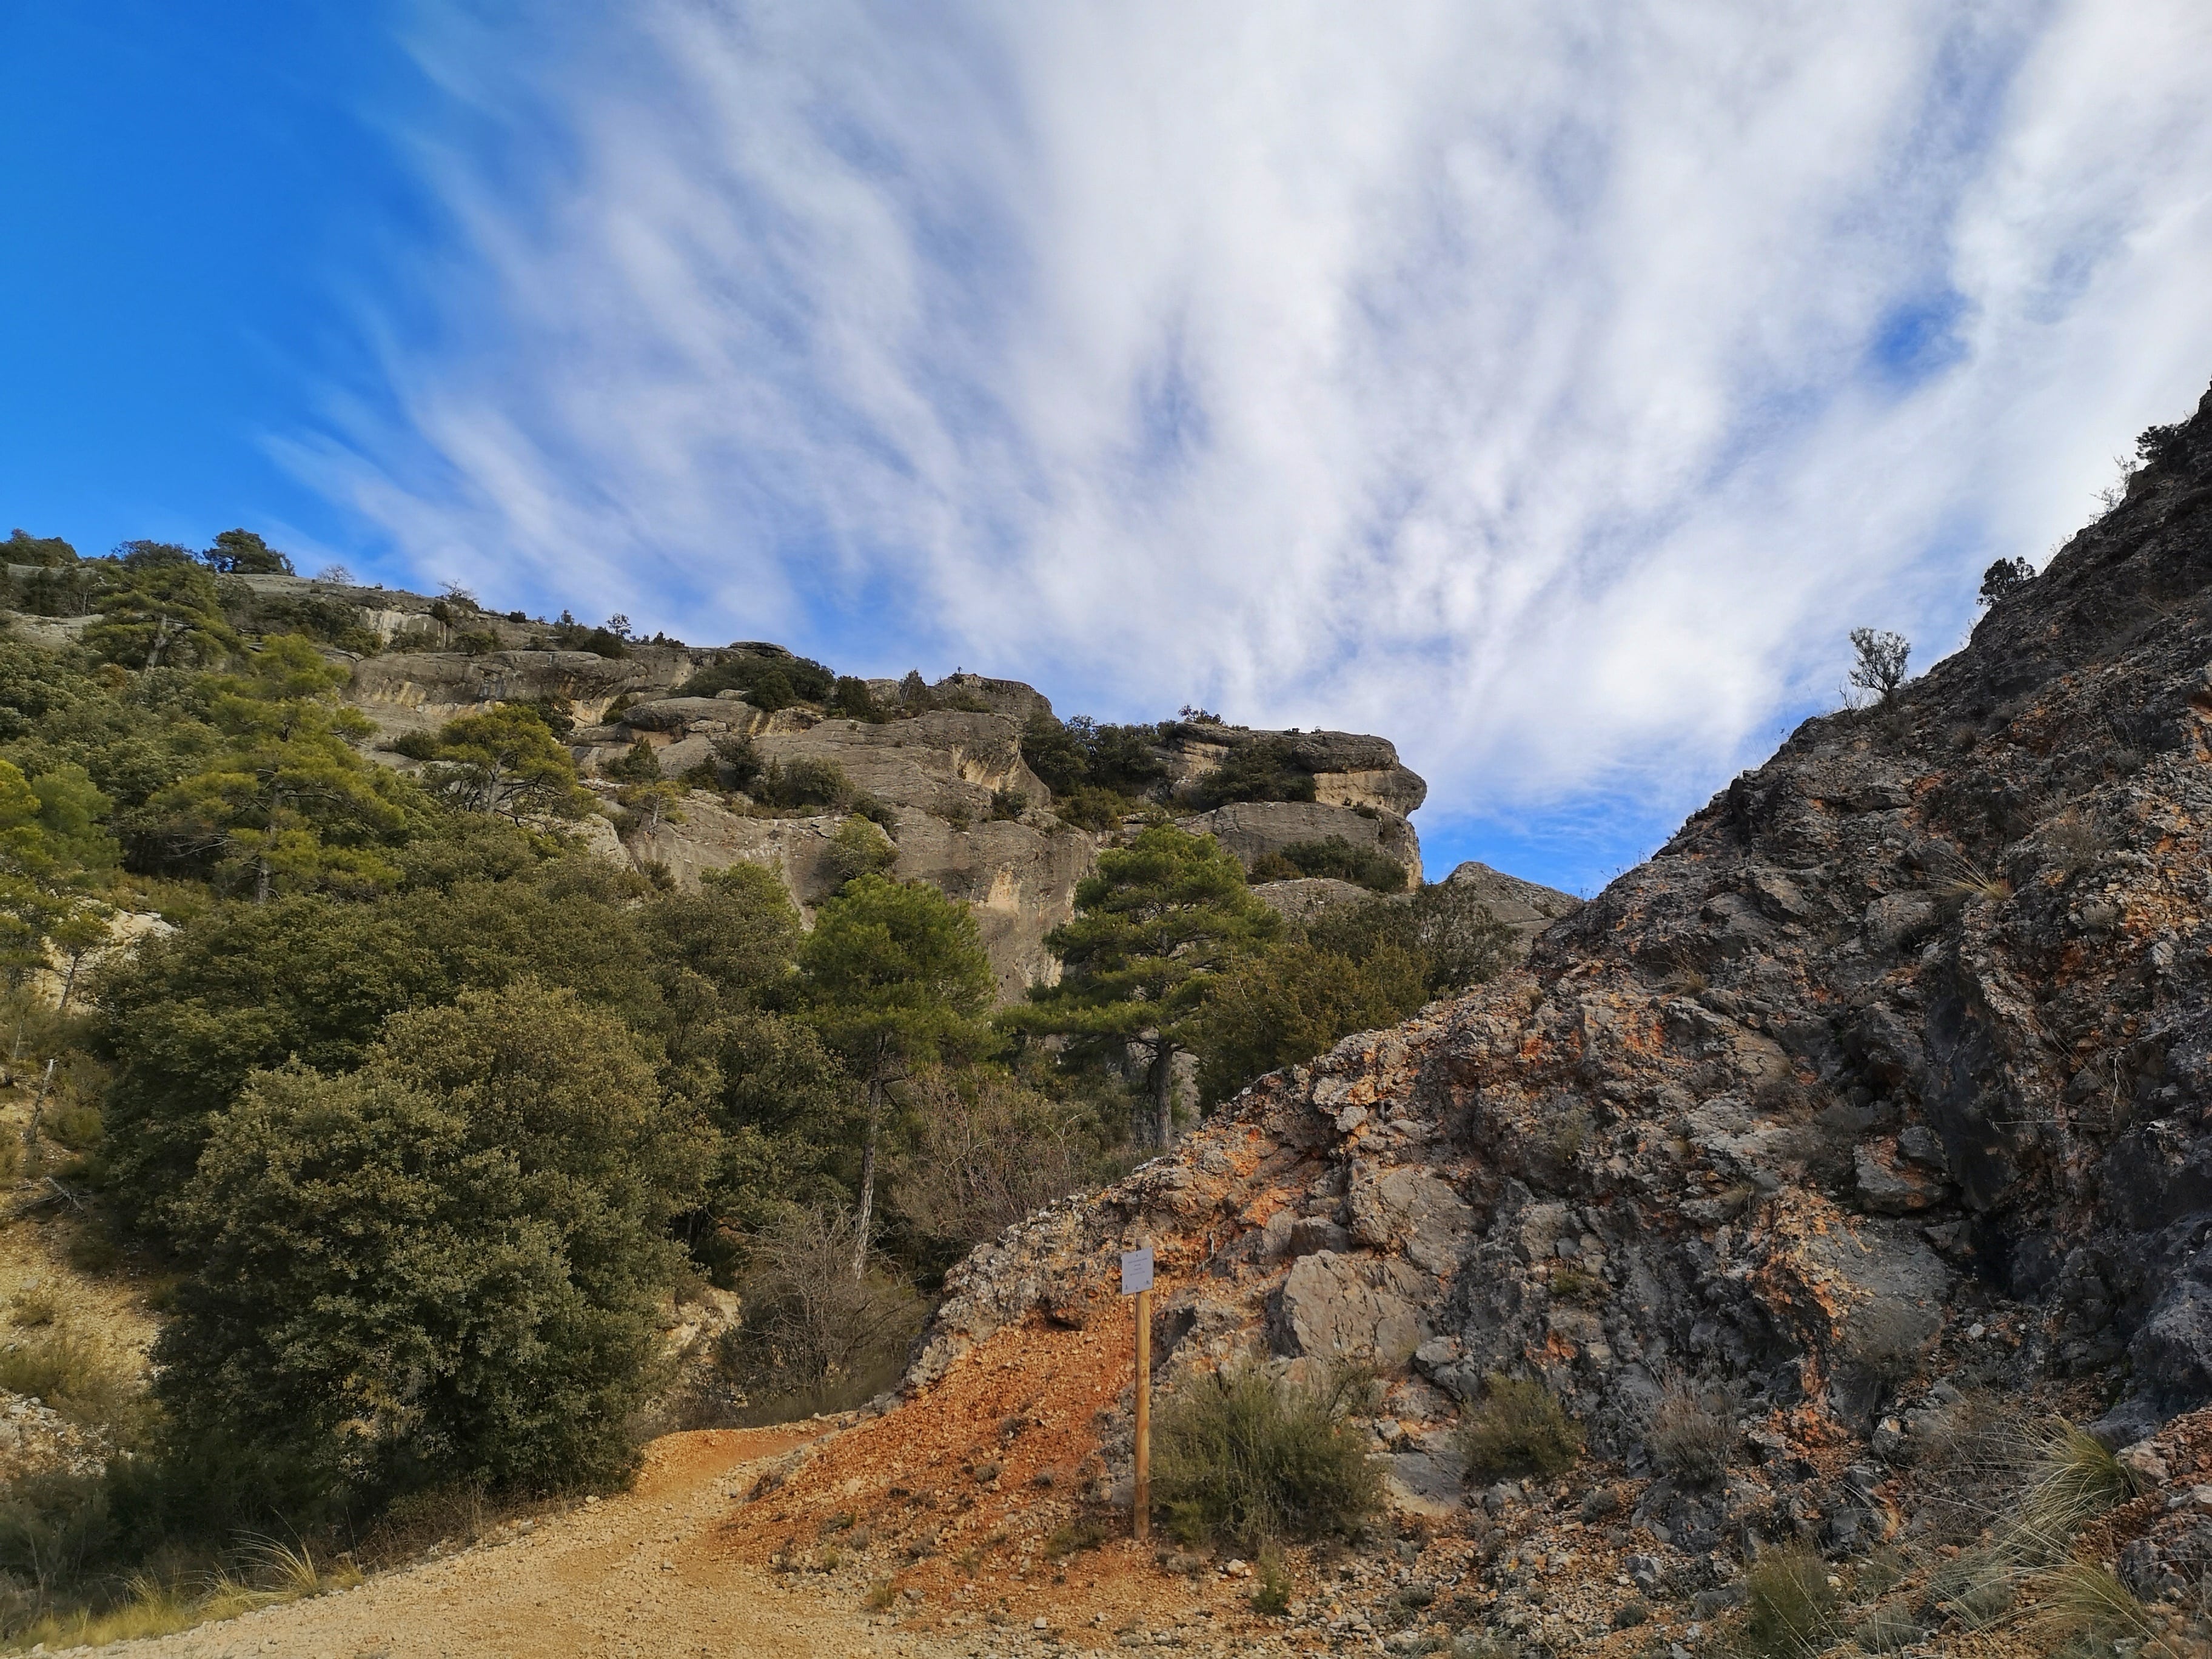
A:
(1690, 1436)
(1790, 1604)
(293, 1572)
(2073, 1480)
(1520, 1428)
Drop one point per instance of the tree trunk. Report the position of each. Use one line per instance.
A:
(261, 880)
(868, 1175)
(1163, 1081)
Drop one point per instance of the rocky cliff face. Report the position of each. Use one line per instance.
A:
(1889, 1077)
(967, 813)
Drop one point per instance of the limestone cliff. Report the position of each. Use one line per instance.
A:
(943, 763)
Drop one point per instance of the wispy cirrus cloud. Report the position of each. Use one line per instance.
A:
(1548, 387)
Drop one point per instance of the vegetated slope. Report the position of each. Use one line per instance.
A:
(1887, 1080)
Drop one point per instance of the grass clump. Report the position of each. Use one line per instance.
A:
(150, 1609)
(1520, 1428)
(33, 1308)
(1690, 1436)
(2074, 1480)
(2083, 1601)
(1571, 1284)
(293, 1572)
(1791, 1606)
(1978, 1588)
(1247, 1457)
(1887, 1630)
(71, 1374)
(1074, 1537)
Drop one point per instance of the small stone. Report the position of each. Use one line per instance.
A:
(2141, 1460)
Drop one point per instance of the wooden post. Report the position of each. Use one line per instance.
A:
(1136, 1281)
(1144, 1493)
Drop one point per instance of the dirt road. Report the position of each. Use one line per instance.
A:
(637, 1574)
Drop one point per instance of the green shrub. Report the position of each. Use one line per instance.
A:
(1457, 938)
(569, 634)
(1289, 1002)
(1263, 771)
(1074, 1537)
(1520, 1428)
(852, 698)
(1093, 808)
(1271, 1594)
(738, 763)
(1051, 751)
(1790, 1604)
(1245, 1456)
(76, 1127)
(859, 848)
(640, 765)
(481, 1208)
(1338, 859)
(803, 782)
(768, 682)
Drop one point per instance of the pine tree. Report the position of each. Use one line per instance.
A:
(1153, 928)
(893, 976)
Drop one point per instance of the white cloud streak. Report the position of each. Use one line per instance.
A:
(1508, 380)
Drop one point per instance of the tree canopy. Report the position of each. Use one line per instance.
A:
(441, 1266)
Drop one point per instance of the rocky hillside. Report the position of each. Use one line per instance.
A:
(1885, 1087)
(965, 812)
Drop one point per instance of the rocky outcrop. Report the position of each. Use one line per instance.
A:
(1018, 878)
(1253, 829)
(949, 764)
(1525, 906)
(1887, 1077)
(1348, 768)
(1302, 901)
(419, 691)
(971, 817)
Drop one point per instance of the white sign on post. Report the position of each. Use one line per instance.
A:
(1136, 1271)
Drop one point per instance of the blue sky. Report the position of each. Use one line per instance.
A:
(1546, 388)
